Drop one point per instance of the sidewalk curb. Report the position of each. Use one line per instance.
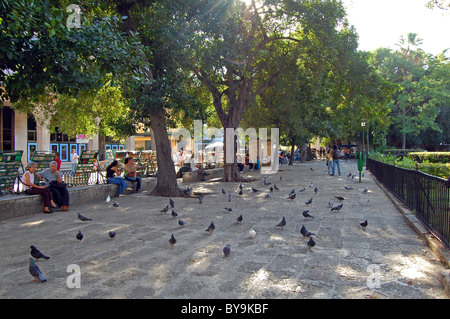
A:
(441, 252)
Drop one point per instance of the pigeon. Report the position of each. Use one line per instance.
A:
(252, 233)
(271, 188)
(229, 197)
(309, 201)
(240, 186)
(276, 187)
(353, 176)
(254, 190)
(292, 191)
(211, 228)
(302, 190)
(82, 218)
(200, 199)
(108, 199)
(224, 192)
(265, 182)
(240, 192)
(188, 191)
(292, 196)
(306, 215)
(349, 174)
(330, 203)
(316, 190)
(37, 254)
(35, 271)
(172, 203)
(348, 188)
(311, 168)
(269, 195)
(366, 189)
(228, 209)
(172, 241)
(79, 236)
(227, 250)
(364, 224)
(311, 243)
(338, 207)
(112, 234)
(174, 214)
(115, 204)
(311, 185)
(339, 197)
(182, 223)
(165, 209)
(239, 219)
(282, 223)
(305, 233)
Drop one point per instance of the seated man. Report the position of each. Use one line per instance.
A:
(60, 194)
(130, 174)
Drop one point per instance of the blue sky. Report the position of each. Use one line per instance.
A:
(380, 23)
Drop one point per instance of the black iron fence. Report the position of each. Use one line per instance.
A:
(423, 193)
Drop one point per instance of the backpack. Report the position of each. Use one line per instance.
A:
(336, 154)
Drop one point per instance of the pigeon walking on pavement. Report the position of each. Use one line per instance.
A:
(252, 233)
(309, 202)
(228, 209)
(181, 223)
(307, 215)
(172, 203)
(35, 271)
(239, 219)
(172, 241)
(37, 254)
(282, 223)
(211, 228)
(292, 196)
(200, 199)
(337, 208)
(165, 209)
(112, 234)
(83, 218)
(366, 189)
(276, 187)
(305, 233)
(364, 224)
(227, 250)
(79, 236)
(108, 199)
(311, 243)
(115, 204)
(339, 198)
(174, 214)
(229, 197)
(224, 192)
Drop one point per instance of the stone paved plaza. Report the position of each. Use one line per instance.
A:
(387, 260)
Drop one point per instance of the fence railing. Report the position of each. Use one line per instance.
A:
(425, 194)
(81, 178)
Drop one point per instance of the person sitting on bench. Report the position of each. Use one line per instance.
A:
(33, 189)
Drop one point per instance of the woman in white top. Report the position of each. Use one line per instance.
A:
(28, 181)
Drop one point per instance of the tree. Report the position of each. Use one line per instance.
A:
(415, 106)
(242, 54)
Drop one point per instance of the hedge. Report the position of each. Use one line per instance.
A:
(431, 157)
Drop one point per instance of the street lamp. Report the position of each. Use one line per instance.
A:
(363, 124)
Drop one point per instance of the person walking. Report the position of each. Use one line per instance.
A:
(336, 160)
(74, 160)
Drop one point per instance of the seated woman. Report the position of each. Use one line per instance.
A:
(130, 174)
(28, 181)
(113, 176)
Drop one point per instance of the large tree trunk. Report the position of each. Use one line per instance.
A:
(231, 170)
(166, 182)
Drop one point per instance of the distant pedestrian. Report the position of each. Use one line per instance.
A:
(74, 159)
(329, 157)
(336, 160)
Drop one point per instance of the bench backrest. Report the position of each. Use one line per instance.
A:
(10, 167)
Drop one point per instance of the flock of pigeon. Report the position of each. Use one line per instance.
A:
(36, 254)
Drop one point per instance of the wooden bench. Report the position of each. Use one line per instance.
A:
(84, 169)
(10, 166)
